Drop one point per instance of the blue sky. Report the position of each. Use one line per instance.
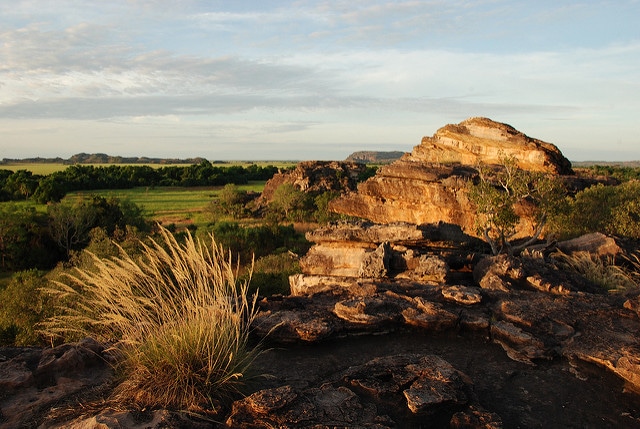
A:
(274, 80)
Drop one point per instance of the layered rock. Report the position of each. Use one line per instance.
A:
(361, 250)
(481, 140)
(429, 185)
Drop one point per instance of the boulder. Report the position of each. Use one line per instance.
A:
(321, 407)
(500, 272)
(376, 264)
(595, 243)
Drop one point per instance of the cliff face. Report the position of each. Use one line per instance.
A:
(428, 185)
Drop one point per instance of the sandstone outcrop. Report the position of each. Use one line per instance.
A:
(428, 185)
(536, 311)
(481, 140)
(32, 380)
(374, 157)
(543, 349)
(315, 177)
(363, 250)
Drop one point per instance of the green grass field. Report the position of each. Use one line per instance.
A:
(171, 205)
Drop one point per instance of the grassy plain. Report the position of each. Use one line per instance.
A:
(171, 205)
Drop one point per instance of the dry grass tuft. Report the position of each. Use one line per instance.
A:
(599, 271)
(177, 317)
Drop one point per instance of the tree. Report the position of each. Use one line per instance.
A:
(22, 306)
(287, 199)
(21, 184)
(69, 224)
(51, 188)
(23, 239)
(231, 200)
(611, 210)
(322, 213)
(499, 191)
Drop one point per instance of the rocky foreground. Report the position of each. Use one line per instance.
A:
(513, 343)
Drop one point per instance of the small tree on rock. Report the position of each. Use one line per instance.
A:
(499, 191)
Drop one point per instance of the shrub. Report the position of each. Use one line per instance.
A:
(178, 319)
(258, 241)
(289, 203)
(22, 306)
(613, 210)
(271, 273)
(322, 213)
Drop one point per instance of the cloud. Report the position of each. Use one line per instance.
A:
(313, 69)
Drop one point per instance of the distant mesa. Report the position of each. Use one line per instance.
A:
(102, 158)
(374, 157)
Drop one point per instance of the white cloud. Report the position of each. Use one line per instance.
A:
(337, 72)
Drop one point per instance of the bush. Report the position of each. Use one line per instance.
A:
(289, 203)
(178, 318)
(22, 307)
(271, 273)
(258, 241)
(613, 210)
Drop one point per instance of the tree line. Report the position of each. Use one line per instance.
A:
(23, 184)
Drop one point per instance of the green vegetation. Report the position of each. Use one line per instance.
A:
(497, 195)
(621, 173)
(178, 318)
(22, 307)
(25, 241)
(271, 273)
(288, 202)
(613, 210)
(174, 205)
(23, 184)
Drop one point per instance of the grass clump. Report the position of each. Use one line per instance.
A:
(177, 318)
(600, 271)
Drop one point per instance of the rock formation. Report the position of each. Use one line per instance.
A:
(481, 140)
(363, 250)
(428, 185)
(374, 157)
(315, 177)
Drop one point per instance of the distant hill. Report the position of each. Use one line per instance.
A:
(102, 158)
(374, 157)
(584, 164)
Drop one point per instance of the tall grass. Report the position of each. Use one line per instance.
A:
(600, 271)
(177, 318)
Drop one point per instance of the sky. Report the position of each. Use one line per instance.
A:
(313, 80)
